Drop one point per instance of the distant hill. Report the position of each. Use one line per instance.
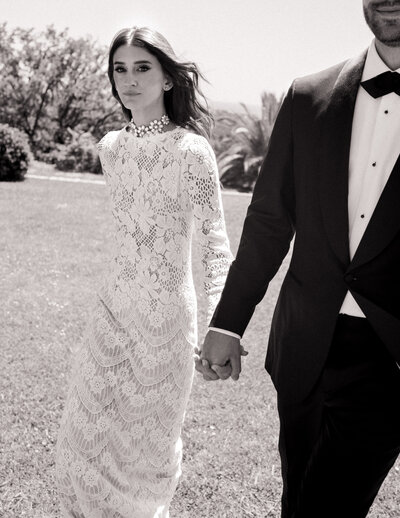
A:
(236, 107)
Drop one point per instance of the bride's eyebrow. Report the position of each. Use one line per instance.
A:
(141, 62)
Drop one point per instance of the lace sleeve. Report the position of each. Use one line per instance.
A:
(106, 155)
(102, 150)
(204, 192)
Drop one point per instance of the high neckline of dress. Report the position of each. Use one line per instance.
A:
(152, 136)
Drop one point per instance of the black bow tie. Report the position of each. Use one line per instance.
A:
(383, 84)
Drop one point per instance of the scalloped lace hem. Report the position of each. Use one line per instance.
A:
(155, 335)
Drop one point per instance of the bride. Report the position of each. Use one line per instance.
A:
(119, 446)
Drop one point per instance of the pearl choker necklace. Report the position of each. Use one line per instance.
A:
(155, 126)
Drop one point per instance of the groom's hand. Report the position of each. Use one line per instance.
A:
(211, 374)
(220, 356)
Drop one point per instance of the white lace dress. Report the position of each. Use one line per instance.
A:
(119, 446)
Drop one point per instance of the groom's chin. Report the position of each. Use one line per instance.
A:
(385, 26)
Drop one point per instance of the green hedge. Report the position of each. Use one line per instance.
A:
(79, 155)
(15, 154)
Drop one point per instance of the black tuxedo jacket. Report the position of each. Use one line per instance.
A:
(302, 189)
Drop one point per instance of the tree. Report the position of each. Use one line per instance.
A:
(51, 82)
(242, 149)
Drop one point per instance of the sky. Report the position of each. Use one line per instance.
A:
(243, 47)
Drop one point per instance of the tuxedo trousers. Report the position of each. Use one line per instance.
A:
(338, 445)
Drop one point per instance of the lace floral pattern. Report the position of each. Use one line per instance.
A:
(163, 188)
(119, 447)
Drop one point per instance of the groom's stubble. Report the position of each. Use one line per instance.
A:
(385, 28)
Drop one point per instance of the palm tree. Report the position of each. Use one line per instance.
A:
(244, 148)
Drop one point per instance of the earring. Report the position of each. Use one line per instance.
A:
(167, 87)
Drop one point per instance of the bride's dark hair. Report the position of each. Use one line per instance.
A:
(182, 100)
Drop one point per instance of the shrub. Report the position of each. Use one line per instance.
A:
(79, 155)
(15, 154)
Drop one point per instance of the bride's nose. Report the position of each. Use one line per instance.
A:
(131, 80)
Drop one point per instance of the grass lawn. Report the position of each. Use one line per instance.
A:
(54, 243)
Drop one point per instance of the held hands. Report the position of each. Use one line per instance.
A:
(220, 357)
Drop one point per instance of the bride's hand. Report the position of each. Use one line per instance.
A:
(214, 372)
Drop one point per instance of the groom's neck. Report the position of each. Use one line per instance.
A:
(389, 55)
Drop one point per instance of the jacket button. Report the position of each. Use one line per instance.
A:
(349, 277)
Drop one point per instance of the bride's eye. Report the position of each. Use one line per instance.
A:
(143, 68)
(119, 69)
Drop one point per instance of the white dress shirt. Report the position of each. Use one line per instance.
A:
(374, 149)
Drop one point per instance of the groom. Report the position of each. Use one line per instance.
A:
(331, 177)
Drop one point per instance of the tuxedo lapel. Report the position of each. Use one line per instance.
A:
(384, 223)
(335, 151)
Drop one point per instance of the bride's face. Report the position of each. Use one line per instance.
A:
(140, 80)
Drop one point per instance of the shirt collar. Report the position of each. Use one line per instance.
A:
(374, 64)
